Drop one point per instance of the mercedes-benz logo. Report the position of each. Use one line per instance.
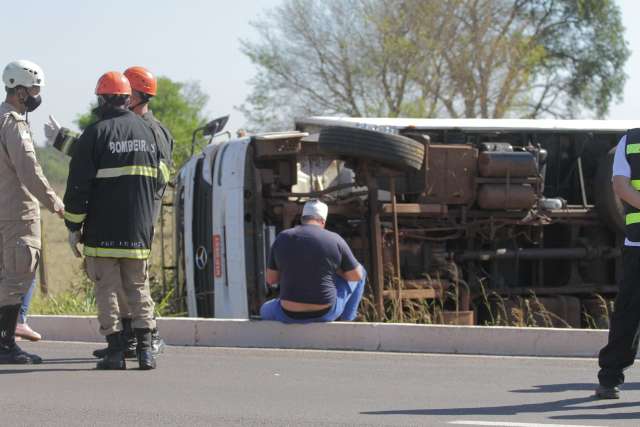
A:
(201, 258)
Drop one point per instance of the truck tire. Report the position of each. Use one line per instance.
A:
(608, 205)
(394, 151)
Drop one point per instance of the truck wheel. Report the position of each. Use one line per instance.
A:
(391, 150)
(608, 205)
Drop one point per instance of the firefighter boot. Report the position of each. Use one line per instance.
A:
(129, 339)
(146, 360)
(114, 359)
(10, 352)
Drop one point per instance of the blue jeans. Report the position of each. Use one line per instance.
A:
(348, 296)
(26, 301)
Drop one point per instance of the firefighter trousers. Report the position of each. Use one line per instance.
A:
(128, 277)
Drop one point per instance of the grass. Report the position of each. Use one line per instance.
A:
(69, 290)
(79, 299)
(520, 311)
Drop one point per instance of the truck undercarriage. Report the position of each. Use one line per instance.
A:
(486, 224)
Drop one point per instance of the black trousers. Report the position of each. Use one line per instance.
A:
(620, 351)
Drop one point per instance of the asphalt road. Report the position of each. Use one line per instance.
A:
(229, 387)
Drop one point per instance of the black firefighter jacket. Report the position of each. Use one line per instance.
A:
(115, 173)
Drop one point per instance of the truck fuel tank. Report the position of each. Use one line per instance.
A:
(497, 164)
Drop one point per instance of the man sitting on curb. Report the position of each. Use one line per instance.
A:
(320, 279)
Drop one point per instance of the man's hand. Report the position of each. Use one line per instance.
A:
(51, 130)
(74, 239)
(58, 208)
(351, 275)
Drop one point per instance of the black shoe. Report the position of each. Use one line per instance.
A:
(114, 359)
(146, 360)
(101, 352)
(128, 338)
(10, 352)
(157, 343)
(603, 392)
(14, 355)
(129, 353)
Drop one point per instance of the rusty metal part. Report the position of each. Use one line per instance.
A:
(511, 180)
(583, 289)
(459, 317)
(496, 196)
(315, 193)
(413, 294)
(396, 246)
(375, 243)
(540, 253)
(424, 209)
(277, 148)
(502, 164)
(449, 174)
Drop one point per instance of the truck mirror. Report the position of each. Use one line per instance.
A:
(215, 126)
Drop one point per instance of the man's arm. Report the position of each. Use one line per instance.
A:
(82, 171)
(623, 189)
(350, 269)
(66, 141)
(23, 156)
(60, 138)
(273, 274)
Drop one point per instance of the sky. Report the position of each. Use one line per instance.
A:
(189, 40)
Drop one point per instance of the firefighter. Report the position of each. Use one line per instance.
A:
(114, 176)
(22, 187)
(144, 86)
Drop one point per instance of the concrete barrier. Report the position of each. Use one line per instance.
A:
(390, 337)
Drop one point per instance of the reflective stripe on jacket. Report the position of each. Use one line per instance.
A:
(113, 178)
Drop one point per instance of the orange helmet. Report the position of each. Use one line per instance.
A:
(142, 80)
(113, 83)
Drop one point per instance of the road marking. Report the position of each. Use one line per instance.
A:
(512, 424)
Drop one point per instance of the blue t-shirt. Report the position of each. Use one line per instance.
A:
(307, 257)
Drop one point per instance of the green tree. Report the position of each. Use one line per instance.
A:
(55, 165)
(429, 58)
(179, 106)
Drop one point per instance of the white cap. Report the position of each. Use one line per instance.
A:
(315, 208)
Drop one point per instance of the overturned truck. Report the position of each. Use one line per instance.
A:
(457, 221)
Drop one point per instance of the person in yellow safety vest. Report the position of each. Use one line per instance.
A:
(22, 188)
(114, 176)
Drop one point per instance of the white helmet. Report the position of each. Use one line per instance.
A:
(22, 73)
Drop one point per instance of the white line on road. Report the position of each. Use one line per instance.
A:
(512, 424)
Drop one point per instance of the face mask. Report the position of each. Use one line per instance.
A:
(32, 102)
